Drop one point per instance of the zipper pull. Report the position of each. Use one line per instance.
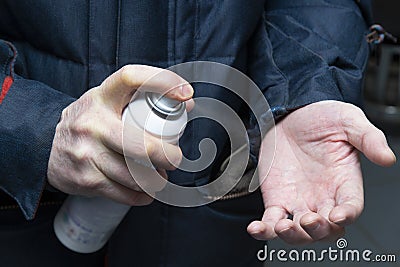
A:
(378, 34)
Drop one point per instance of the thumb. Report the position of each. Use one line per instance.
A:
(363, 135)
(118, 89)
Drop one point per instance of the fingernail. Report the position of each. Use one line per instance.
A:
(286, 231)
(312, 226)
(186, 90)
(340, 220)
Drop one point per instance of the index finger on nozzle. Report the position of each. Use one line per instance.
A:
(168, 83)
(118, 89)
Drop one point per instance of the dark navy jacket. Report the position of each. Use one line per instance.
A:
(298, 52)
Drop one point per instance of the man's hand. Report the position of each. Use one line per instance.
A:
(87, 156)
(316, 174)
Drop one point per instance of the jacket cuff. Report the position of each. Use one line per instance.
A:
(29, 113)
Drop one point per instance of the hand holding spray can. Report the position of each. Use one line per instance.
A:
(84, 224)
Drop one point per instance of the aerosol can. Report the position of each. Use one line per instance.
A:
(84, 224)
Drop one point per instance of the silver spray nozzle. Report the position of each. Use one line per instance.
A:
(164, 106)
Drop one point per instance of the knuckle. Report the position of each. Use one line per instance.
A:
(381, 133)
(105, 83)
(126, 75)
(85, 126)
(82, 154)
(86, 133)
(89, 183)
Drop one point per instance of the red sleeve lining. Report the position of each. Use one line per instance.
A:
(5, 87)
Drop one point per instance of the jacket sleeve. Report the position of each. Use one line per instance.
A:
(320, 50)
(312, 50)
(29, 113)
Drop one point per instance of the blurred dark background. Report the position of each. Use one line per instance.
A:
(382, 86)
(386, 12)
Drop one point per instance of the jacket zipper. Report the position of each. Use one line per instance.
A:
(55, 203)
(232, 196)
(41, 204)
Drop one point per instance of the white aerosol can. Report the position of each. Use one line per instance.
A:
(84, 224)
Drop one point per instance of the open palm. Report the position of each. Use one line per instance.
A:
(316, 176)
